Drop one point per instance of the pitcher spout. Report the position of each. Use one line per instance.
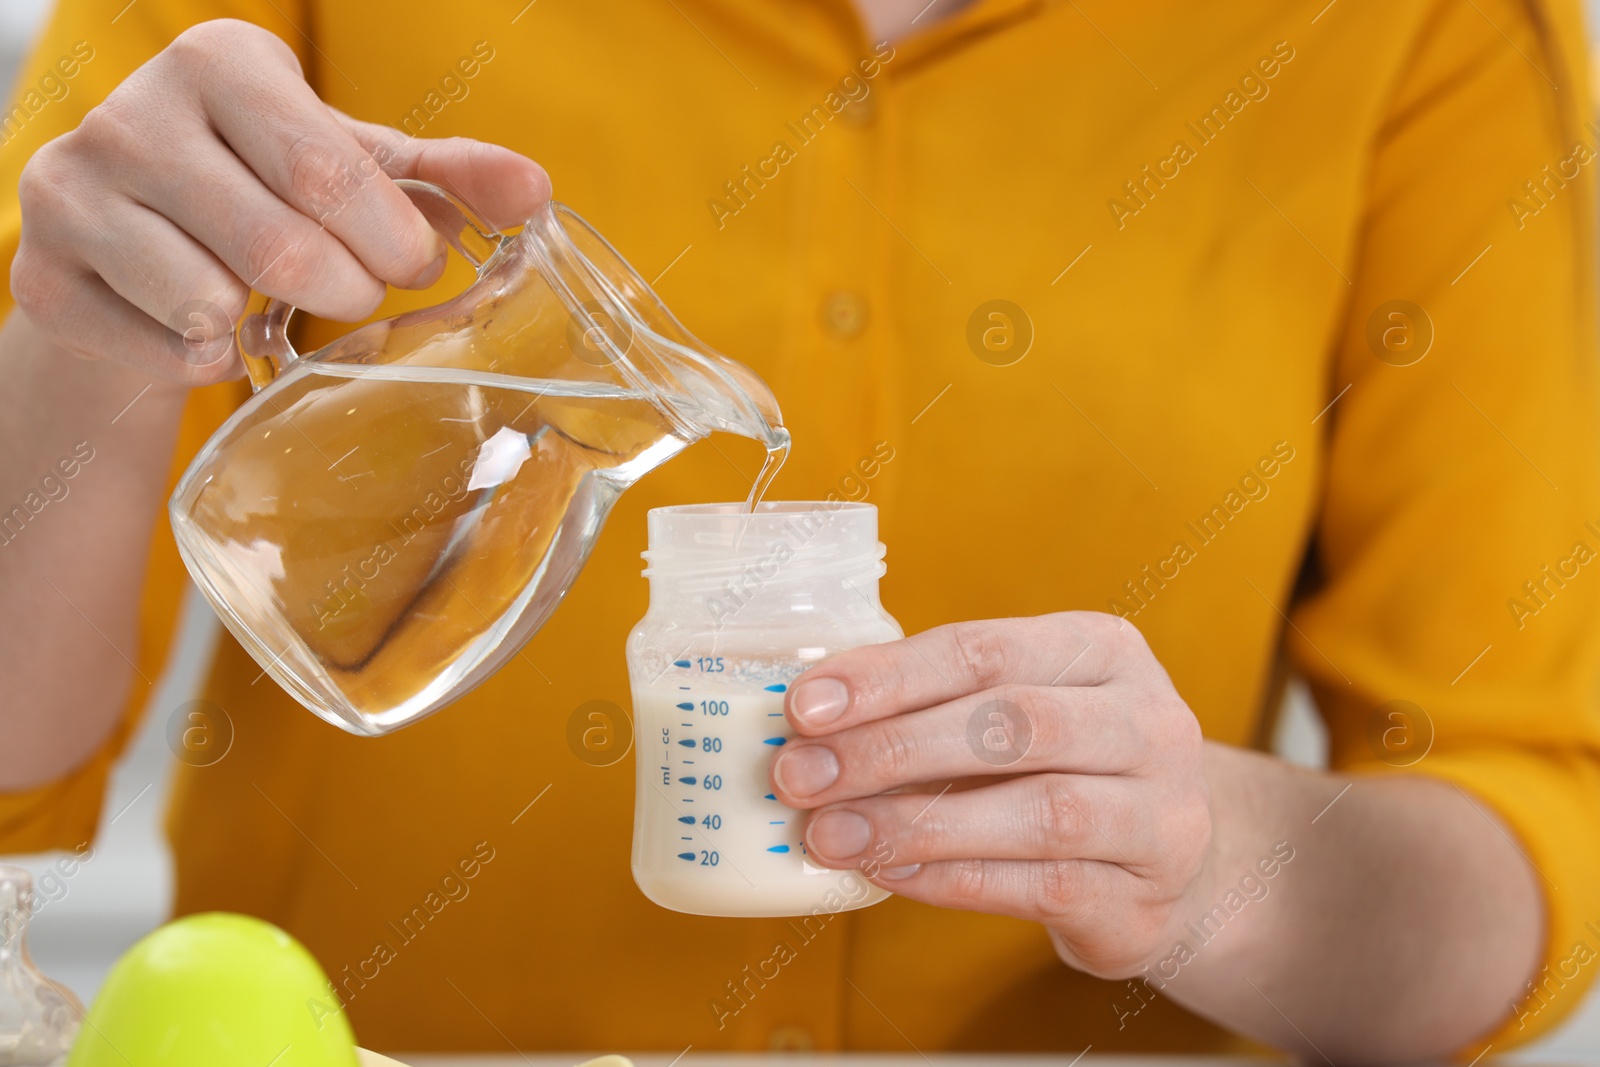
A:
(702, 390)
(717, 393)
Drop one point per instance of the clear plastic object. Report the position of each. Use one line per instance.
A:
(38, 1017)
(391, 517)
(740, 605)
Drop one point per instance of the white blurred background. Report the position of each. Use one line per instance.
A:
(126, 890)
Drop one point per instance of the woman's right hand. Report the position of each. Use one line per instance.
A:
(213, 170)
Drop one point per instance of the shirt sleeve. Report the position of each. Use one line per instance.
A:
(87, 48)
(1450, 622)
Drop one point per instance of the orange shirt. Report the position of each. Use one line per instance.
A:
(1205, 214)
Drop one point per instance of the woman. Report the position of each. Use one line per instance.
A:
(1207, 343)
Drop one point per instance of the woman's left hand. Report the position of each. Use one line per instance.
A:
(1059, 778)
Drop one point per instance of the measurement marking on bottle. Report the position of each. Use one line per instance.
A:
(779, 848)
(687, 820)
(686, 855)
(687, 743)
(776, 688)
(775, 741)
(769, 796)
(687, 781)
(686, 706)
(680, 663)
(770, 715)
(776, 822)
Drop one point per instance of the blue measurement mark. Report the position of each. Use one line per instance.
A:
(686, 761)
(686, 743)
(686, 855)
(776, 688)
(686, 706)
(686, 724)
(769, 796)
(687, 800)
(680, 663)
(775, 822)
(683, 687)
(774, 714)
(779, 848)
(687, 781)
(687, 820)
(685, 839)
(774, 741)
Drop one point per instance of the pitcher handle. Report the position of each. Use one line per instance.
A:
(263, 331)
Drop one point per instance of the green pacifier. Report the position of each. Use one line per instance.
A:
(211, 991)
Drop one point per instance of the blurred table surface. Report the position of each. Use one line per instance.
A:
(730, 1059)
(735, 1059)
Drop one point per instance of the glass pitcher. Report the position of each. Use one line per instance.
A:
(389, 519)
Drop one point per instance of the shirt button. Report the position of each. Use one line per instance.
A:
(791, 1039)
(861, 113)
(844, 315)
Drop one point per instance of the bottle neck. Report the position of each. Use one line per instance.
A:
(754, 597)
(710, 564)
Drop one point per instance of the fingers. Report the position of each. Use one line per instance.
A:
(302, 152)
(103, 276)
(1040, 816)
(504, 188)
(89, 318)
(271, 246)
(1011, 730)
(1101, 918)
(153, 265)
(878, 681)
(1062, 893)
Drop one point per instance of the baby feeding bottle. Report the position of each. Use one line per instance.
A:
(388, 519)
(740, 604)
